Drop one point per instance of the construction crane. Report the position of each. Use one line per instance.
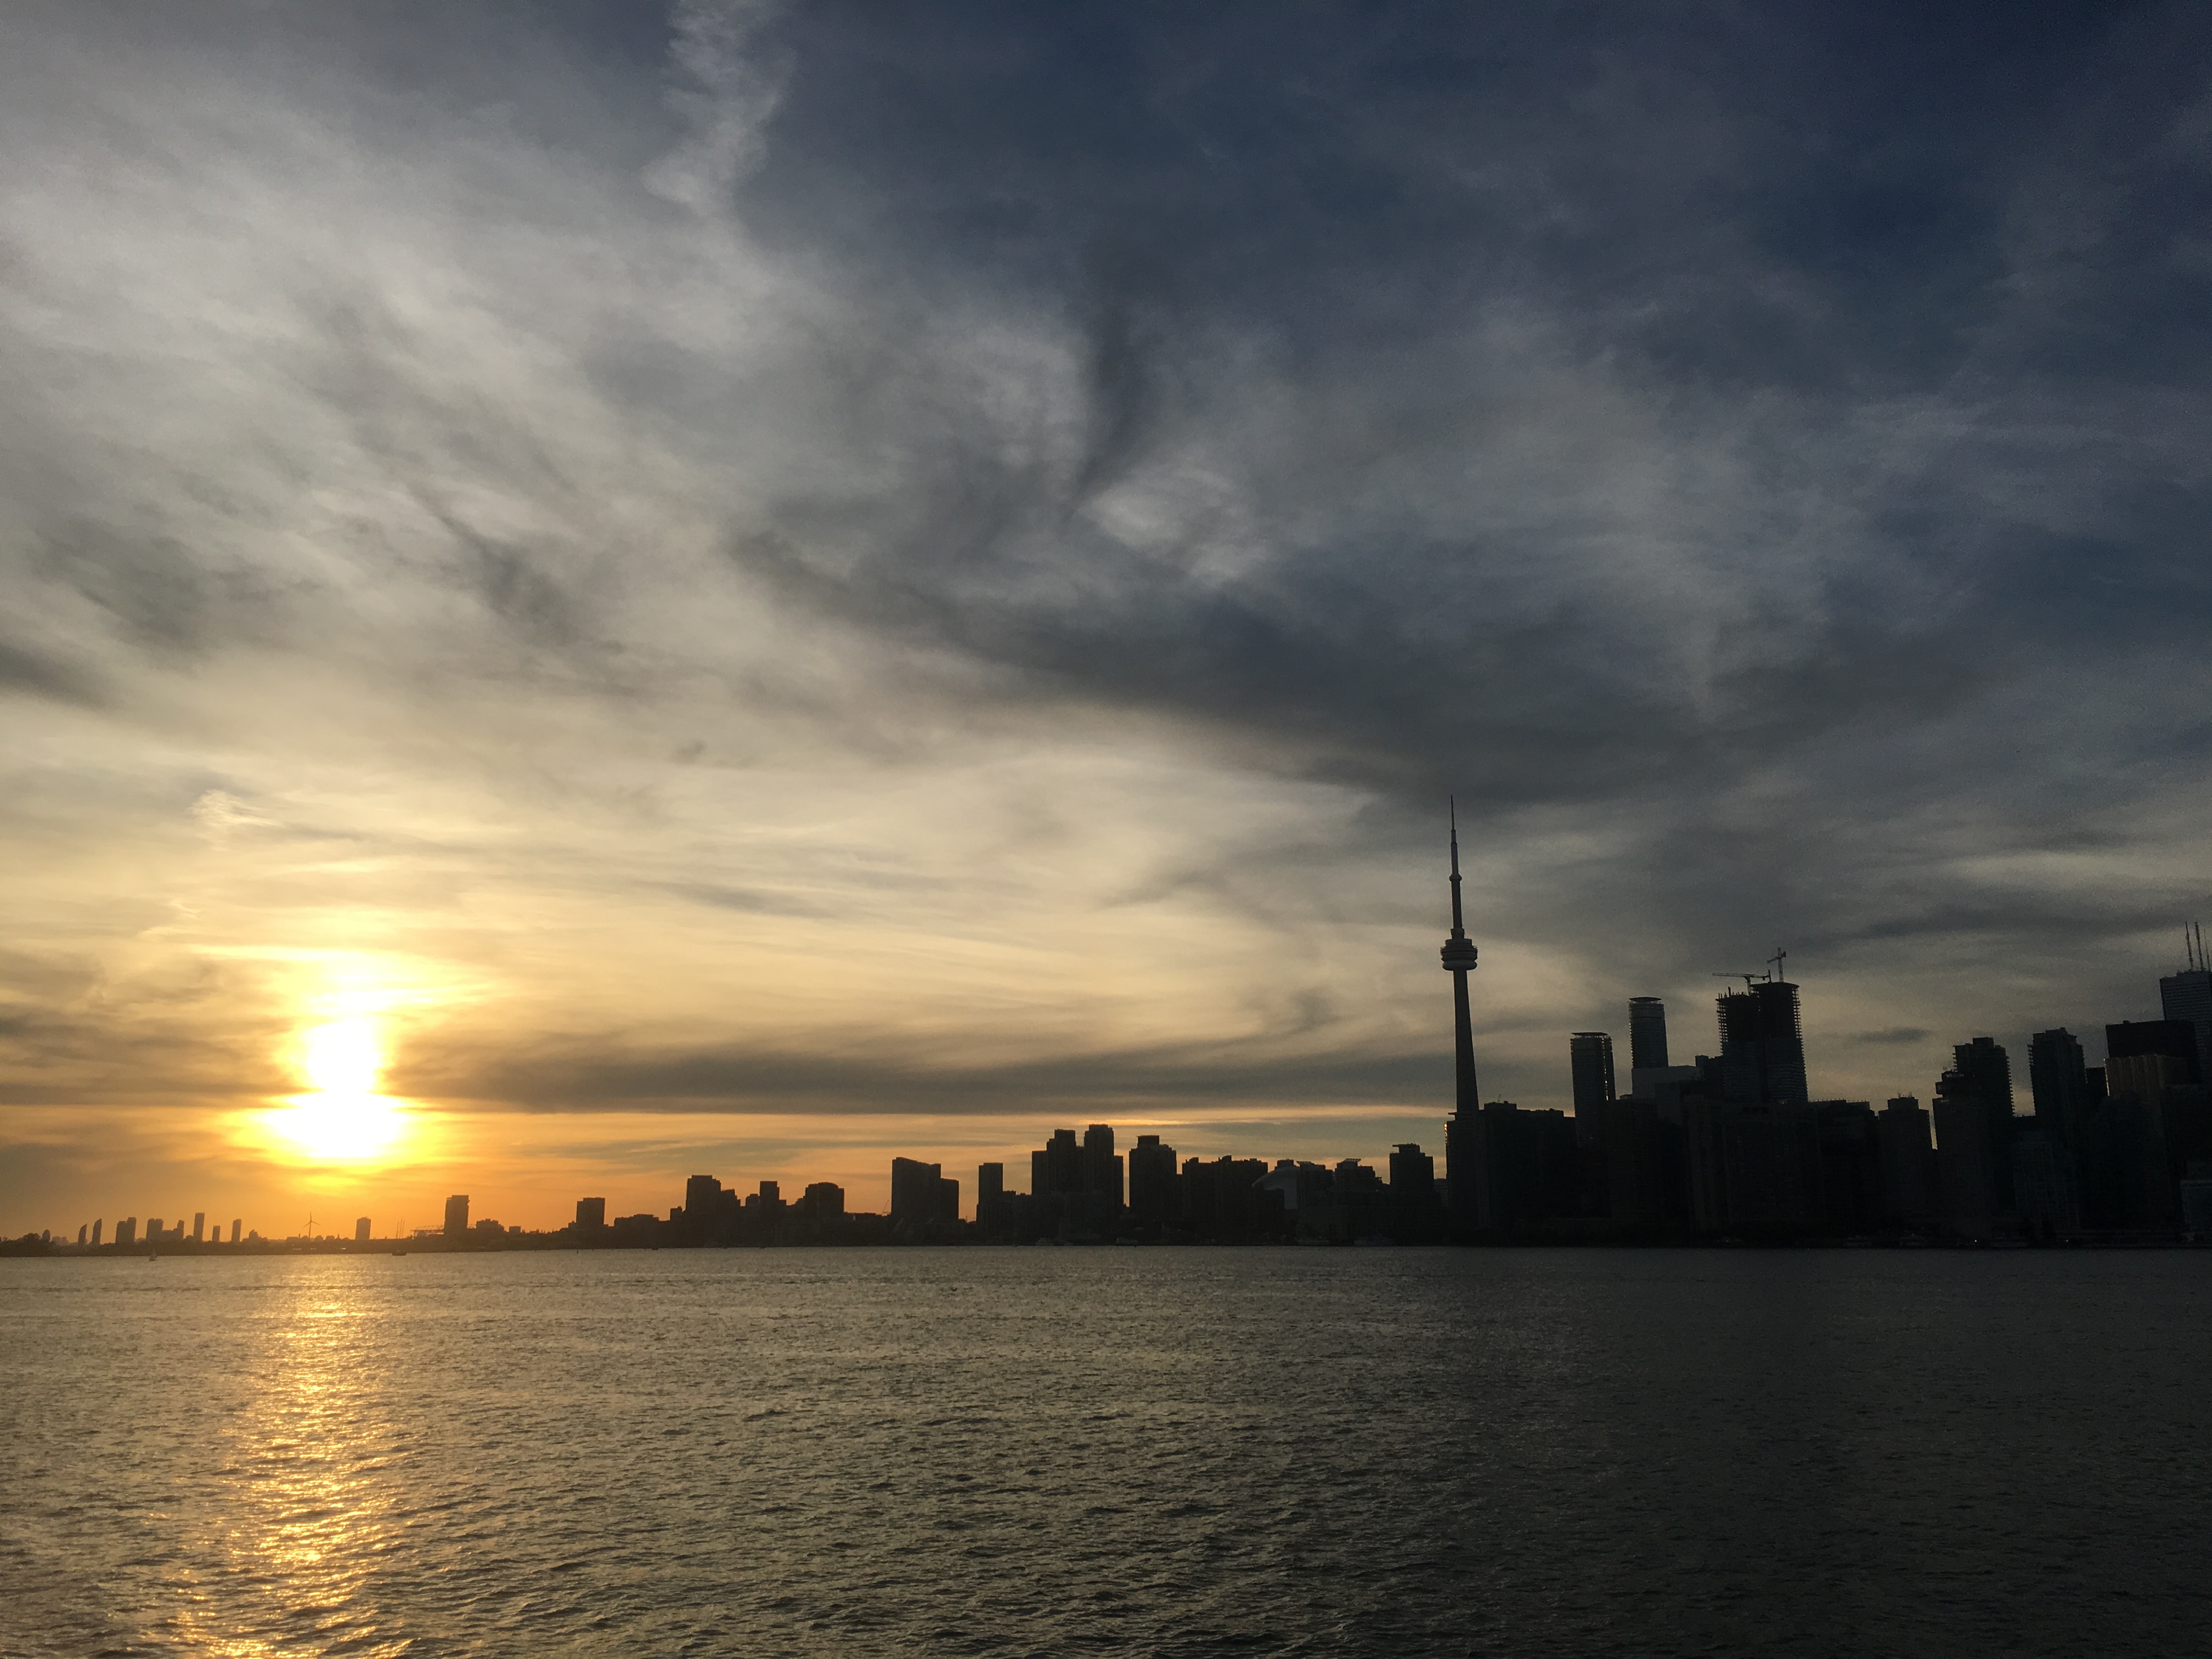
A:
(1772, 974)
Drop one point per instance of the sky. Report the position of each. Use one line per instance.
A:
(590, 594)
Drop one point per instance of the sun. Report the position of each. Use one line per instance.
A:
(344, 1119)
(342, 1058)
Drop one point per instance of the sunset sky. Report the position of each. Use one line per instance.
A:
(748, 589)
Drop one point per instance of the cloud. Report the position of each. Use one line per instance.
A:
(784, 557)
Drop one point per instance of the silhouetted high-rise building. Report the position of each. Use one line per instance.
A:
(2058, 1082)
(1646, 1033)
(823, 1200)
(95, 1232)
(990, 1212)
(1412, 1171)
(1643, 1162)
(1063, 1163)
(457, 1217)
(2174, 1038)
(1754, 1168)
(235, 1224)
(1153, 1199)
(126, 1231)
(922, 1193)
(1985, 1070)
(361, 1229)
(1762, 1049)
(1907, 1158)
(2043, 1185)
(1462, 1137)
(199, 1226)
(1590, 1058)
(590, 1214)
(1973, 1159)
(1102, 1169)
(1510, 1168)
(2187, 996)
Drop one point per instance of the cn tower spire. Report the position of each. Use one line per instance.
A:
(1459, 961)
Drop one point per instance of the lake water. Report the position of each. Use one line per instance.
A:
(1148, 1451)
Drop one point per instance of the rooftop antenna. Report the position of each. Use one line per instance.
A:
(1451, 806)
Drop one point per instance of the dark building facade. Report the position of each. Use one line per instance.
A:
(1590, 1060)
(922, 1193)
(1907, 1154)
(2186, 997)
(1153, 1201)
(1646, 1033)
(1762, 1049)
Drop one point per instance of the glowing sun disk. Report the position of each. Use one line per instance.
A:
(342, 1058)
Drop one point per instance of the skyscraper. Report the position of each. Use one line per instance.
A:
(2175, 1039)
(1762, 1049)
(457, 1217)
(2058, 1081)
(1463, 1156)
(1984, 1072)
(922, 1192)
(1102, 1170)
(1646, 1033)
(2187, 996)
(199, 1226)
(590, 1214)
(1153, 1201)
(990, 1212)
(361, 1230)
(1589, 1058)
(1907, 1162)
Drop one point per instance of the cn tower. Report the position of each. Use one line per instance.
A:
(1459, 961)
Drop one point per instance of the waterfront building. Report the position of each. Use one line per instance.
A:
(1762, 1047)
(922, 1194)
(2186, 998)
(992, 1212)
(1646, 1033)
(1153, 1201)
(1907, 1156)
(1102, 1167)
(1643, 1162)
(457, 1218)
(590, 1214)
(199, 1226)
(1973, 1164)
(1754, 1167)
(1590, 1058)
(361, 1230)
